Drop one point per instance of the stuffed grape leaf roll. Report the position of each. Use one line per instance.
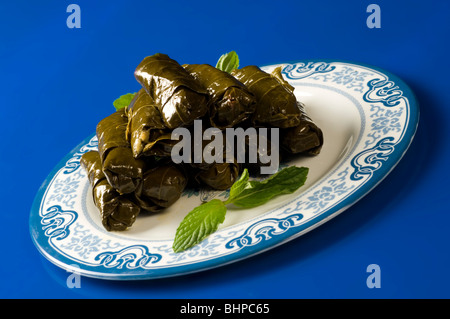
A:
(179, 97)
(218, 174)
(276, 102)
(306, 137)
(261, 145)
(146, 127)
(121, 169)
(118, 212)
(230, 101)
(161, 187)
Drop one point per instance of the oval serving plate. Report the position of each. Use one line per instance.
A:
(368, 117)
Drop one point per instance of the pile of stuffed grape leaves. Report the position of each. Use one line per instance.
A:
(133, 171)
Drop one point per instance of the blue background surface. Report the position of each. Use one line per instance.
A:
(56, 83)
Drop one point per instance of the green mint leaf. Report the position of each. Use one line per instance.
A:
(228, 62)
(205, 219)
(256, 193)
(238, 186)
(198, 224)
(123, 101)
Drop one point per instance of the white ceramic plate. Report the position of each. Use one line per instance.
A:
(368, 117)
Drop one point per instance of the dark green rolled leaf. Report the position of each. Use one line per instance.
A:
(198, 224)
(219, 176)
(161, 186)
(118, 212)
(306, 137)
(276, 102)
(146, 131)
(179, 97)
(121, 169)
(230, 101)
(216, 175)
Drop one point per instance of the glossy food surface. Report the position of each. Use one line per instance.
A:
(177, 94)
(117, 211)
(276, 103)
(230, 101)
(122, 170)
(145, 126)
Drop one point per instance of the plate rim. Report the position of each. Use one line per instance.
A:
(248, 251)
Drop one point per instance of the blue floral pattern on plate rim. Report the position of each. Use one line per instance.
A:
(390, 116)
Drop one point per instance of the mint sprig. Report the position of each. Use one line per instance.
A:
(206, 218)
(123, 101)
(199, 223)
(228, 62)
(256, 193)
